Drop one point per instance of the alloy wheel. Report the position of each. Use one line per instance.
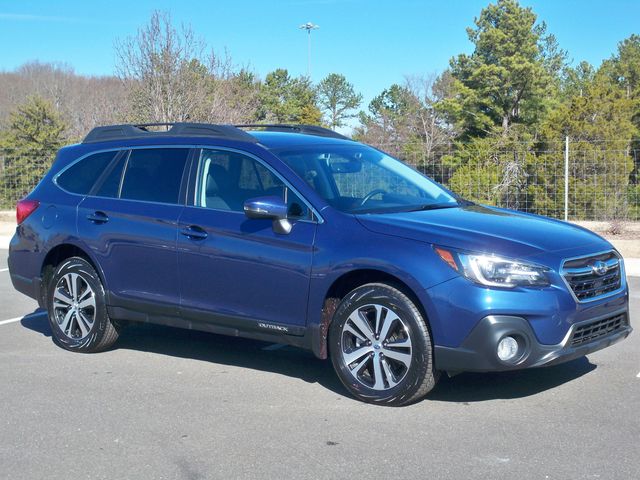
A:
(376, 347)
(74, 306)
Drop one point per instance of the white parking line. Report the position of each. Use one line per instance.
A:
(28, 316)
(11, 320)
(4, 269)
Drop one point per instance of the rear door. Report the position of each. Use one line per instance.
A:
(129, 222)
(235, 270)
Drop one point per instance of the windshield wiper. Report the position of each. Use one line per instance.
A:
(408, 208)
(431, 206)
(463, 202)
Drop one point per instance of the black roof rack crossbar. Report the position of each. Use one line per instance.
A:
(131, 131)
(285, 127)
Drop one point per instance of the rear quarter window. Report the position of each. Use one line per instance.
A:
(81, 176)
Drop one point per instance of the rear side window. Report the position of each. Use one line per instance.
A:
(109, 186)
(154, 175)
(81, 176)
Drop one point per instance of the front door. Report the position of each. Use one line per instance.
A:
(237, 271)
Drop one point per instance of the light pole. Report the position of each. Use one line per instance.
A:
(308, 27)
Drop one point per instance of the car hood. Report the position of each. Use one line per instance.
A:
(488, 229)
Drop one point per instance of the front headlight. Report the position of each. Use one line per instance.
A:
(495, 271)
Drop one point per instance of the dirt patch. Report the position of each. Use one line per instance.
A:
(8, 217)
(628, 248)
(627, 241)
(627, 230)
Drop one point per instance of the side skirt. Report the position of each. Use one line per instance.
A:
(212, 323)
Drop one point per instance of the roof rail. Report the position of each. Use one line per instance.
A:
(131, 131)
(306, 129)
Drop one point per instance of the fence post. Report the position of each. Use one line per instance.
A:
(566, 178)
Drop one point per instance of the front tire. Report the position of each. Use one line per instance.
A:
(380, 346)
(77, 308)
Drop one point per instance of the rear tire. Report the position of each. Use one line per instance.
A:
(380, 346)
(77, 308)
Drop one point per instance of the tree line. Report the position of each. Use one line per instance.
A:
(494, 119)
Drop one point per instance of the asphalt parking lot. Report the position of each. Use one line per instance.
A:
(173, 404)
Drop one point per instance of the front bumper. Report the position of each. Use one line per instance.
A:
(478, 351)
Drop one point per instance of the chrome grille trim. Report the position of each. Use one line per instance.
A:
(585, 284)
(579, 271)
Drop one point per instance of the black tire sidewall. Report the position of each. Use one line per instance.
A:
(96, 333)
(421, 362)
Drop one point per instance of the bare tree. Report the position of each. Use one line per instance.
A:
(172, 77)
(82, 102)
(164, 69)
(403, 120)
(428, 123)
(52, 81)
(232, 92)
(94, 101)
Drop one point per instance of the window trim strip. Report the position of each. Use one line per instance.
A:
(198, 148)
(193, 202)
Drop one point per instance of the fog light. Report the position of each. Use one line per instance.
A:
(507, 349)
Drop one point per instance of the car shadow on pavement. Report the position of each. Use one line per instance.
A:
(299, 363)
(234, 351)
(219, 349)
(478, 387)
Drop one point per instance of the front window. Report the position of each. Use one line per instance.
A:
(359, 179)
(230, 178)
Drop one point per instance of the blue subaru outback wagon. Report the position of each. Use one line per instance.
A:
(297, 235)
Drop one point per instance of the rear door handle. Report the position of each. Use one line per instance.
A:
(98, 217)
(194, 232)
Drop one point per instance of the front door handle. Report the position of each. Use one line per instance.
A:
(98, 217)
(194, 233)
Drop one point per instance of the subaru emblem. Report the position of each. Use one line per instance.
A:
(599, 267)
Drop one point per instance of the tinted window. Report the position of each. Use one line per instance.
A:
(80, 177)
(355, 178)
(109, 184)
(230, 178)
(154, 175)
(358, 184)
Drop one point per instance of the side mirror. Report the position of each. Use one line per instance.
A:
(272, 208)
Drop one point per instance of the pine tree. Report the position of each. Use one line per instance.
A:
(35, 133)
(338, 98)
(285, 99)
(507, 77)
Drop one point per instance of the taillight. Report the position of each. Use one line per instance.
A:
(24, 208)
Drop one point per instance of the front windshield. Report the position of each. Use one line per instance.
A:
(359, 179)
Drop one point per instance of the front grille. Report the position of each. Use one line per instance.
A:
(587, 281)
(600, 328)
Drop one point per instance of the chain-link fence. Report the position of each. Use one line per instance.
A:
(584, 182)
(603, 182)
(19, 174)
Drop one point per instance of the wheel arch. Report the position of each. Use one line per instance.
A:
(347, 282)
(55, 256)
